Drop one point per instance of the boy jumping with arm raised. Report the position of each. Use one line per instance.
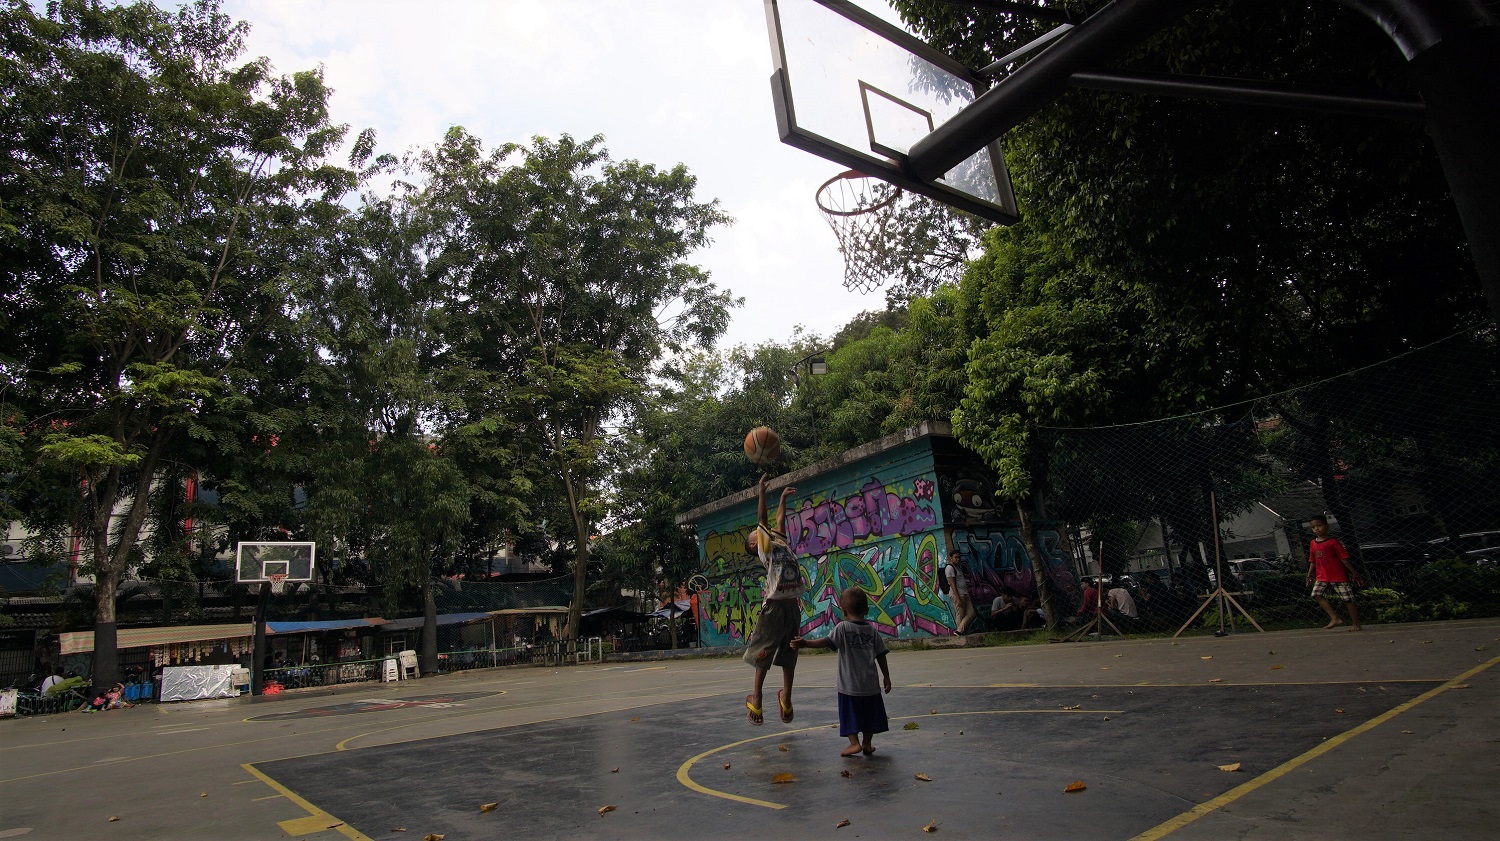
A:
(780, 609)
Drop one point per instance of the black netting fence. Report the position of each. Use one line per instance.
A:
(1401, 458)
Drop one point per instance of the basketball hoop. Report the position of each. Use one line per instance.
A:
(860, 209)
(278, 582)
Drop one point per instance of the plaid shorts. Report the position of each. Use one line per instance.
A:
(1337, 588)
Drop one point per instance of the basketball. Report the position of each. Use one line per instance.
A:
(762, 445)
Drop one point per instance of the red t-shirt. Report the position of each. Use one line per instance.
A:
(1327, 557)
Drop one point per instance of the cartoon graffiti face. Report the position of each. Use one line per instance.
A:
(971, 501)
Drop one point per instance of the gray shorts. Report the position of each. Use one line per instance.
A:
(771, 641)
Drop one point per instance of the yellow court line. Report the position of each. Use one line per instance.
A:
(1193, 814)
(684, 771)
(317, 820)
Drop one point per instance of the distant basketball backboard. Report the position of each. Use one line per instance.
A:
(274, 562)
(856, 90)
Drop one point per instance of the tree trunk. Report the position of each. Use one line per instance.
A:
(106, 666)
(1038, 569)
(429, 629)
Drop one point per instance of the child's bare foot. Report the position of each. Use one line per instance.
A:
(1333, 624)
(868, 749)
(1356, 628)
(852, 750)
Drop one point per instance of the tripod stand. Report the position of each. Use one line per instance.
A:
(1096, 625)
(1220, 597)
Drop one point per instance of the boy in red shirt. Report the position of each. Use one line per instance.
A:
(1329, 562)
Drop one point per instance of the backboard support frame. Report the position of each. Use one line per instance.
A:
(889, 164)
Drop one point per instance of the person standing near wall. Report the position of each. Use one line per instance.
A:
(958, 593)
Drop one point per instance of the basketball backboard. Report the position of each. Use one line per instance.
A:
(260, 562)
(859, 91)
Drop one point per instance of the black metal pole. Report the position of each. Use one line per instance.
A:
(1460, 81)
(258, 658)
(1110, 31)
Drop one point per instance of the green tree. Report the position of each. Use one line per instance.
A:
(574, 273)
(154, 190)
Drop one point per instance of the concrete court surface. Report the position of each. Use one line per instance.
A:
(1384, 734)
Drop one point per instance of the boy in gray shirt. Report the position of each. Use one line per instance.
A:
(861, 650)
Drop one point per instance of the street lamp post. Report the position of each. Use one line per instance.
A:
(816, 366)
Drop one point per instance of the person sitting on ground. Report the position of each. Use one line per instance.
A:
(1091, 600)
(1121, 604)
(1005, 611)
(114, 699)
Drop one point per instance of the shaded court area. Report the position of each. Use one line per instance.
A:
(1156, 757)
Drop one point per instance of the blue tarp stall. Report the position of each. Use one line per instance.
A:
(415, 623)
(467, 631)
(348, 647)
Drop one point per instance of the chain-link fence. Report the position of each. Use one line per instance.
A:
(1401, 458)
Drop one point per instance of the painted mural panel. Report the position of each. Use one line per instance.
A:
(988, 539)
(875, 524)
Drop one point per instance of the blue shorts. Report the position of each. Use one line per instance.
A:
(862, 714)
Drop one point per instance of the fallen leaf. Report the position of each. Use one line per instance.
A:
(1074, 707)
(1118, 656)
(488, 807)
(1460, 686)
(335, 825)
(1340, 712)
(1480, 647)
(1209, 657)
(398, 829)
(845, 773)
(932, 827)
(960, 732)
(1278, 667)
(602, 810)
(726, 766)
(202, 794)
(924, 778)
(1231, 767)
(934, 712)
(433, 836)
(841, 824)
(784, 778)
(1409, 732)
(1103, 668)
(1076, 785)
(614, 770)
(113, 818)
(1216, 680)
(910, 725)
(1106, 718)
(1270, 652)
(782, 747)
(636, 718)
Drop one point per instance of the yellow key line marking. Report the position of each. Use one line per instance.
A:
(317, 820)
(684, 771)
(1167, 827)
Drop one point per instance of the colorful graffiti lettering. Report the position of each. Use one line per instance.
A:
(875, 512)
(994, 558)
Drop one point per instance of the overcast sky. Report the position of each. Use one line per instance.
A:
(665, 81)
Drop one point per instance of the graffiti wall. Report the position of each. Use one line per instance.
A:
(988, 540)
(885, 523)
(873, 524)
